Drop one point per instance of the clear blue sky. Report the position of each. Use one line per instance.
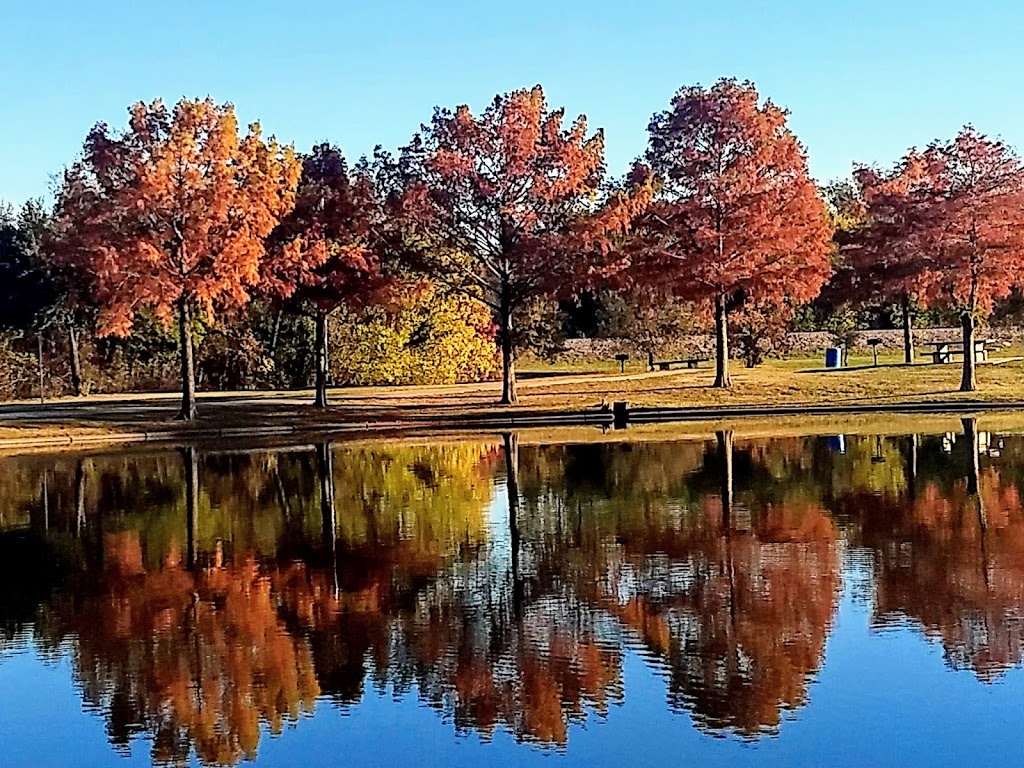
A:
(863, 80)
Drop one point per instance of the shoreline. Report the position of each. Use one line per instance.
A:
(223, 429)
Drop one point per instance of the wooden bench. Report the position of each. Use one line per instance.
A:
(689, 362)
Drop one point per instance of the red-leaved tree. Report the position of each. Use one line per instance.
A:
(958, 229)
(325, 253)
(493, 204)
(976, 194)
(881, 262)
(736, 215)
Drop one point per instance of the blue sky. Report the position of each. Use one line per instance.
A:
(863, 80)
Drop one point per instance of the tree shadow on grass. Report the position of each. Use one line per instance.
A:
(530, 375)
(867, 367)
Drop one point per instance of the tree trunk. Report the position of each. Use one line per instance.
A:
(722, 378)
(75, 359)
(512, 487)
(321, 360)
(191, 504)
(908, 332)
(275, 333)
(972, 438)
(328, 513)
(79, 496)
(725, 443)
(725, 448)
(969, 380)
(912, 467)
(39, 360)
(970, 426)
(188, 368)
(509, 393)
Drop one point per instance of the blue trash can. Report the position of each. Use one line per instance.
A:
(833, 357)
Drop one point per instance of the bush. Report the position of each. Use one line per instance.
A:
(539, 328)
(18, 370)
(759, 330)
(232, 358)
(423, 336)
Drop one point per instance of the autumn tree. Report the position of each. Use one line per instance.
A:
(736, 216)
(494, 198)
(170, 215)
(880, 263)
(964, 219)
(324, 253)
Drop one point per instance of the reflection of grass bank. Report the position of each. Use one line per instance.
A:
(789, 384)
(761, 427)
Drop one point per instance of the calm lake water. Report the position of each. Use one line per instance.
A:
(852, 600)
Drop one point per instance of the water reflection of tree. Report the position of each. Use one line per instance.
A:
(176, 627)
(460, 630)
(196, 658)
(728, 578)
(951, 558)
(378, 566)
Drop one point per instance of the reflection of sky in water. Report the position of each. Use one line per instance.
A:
(882, 698)
(887, 692)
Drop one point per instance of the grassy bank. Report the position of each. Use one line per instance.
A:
(544, 388)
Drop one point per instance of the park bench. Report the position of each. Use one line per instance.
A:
(689, 362)
(948, 351)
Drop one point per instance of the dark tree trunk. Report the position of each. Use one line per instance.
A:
(969, 380)
(725, 444)
(972, 438)
(325, 477)
(512, 487)
(973, 445)
(722, 378)
(725, 448)
(79, 496)
(191, 503)
(908, 332)
(188, 367)
(275, 332)
(509, 393)
(39, 360)
(75, 359)
(321, 352)
(328, 514)
(912, 467)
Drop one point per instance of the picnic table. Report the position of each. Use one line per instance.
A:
(946, 351)
(689, 362)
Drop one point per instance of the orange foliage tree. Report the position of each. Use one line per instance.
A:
(323, 253)
(736, 215)
(171, 215)
(960, 221)
(495, 199)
